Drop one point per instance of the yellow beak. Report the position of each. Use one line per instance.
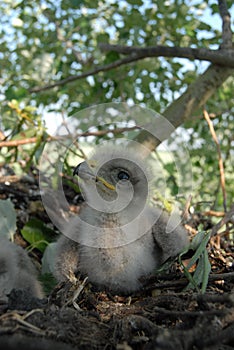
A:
(105, 183)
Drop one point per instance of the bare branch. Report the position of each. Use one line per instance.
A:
(217, 214)
(226, 28)
(221, 57)
(15, 143)
(94, 71)
(221, 167)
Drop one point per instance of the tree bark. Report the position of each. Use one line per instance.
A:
(192, 99)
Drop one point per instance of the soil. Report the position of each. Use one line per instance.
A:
(163, 315)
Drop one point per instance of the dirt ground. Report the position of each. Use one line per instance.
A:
(161, 316)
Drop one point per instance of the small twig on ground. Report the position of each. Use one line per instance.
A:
(189, 313)
(21, 320)
(227, 276)
(77, 293)
(215, 298)
(5, 189)
(182, 282)
(221, 167)
(190, 229)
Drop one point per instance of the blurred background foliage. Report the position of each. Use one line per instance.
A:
(44, 42)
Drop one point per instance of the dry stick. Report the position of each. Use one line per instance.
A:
(229, 217)
(187, 206)
(76, 143)
(15, 143)
(182, 282)
(221, 167)
(217, 214)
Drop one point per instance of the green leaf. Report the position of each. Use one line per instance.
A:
(37, 234)
(111, 57)
(199, 248)
(14, 92)
(7, 219)
(201, 275)
(30, 132)
(206, 272)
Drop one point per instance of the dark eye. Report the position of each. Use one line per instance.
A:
(122, 175)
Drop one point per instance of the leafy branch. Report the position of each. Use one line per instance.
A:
(200, 277)
(222, 57)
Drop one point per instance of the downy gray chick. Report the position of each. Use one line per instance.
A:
(117, 238)
(17, 271)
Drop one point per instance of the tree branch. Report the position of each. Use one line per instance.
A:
(226, 27)
(15, 143)
(221, 167)
(94, 71)
(197, 93)
(220, 57)
(201, 90)
(192, 99)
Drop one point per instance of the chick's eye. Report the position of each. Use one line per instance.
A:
(122, 175)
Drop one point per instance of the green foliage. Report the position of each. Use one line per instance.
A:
(37, 234)
(43, 43)
(23, 122)
(203, 151)
(199, 279)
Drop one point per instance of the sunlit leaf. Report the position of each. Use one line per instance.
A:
(37, 234)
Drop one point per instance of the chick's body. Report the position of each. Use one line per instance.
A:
(17, 271)
(119, 239)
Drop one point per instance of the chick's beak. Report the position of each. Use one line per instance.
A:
(76, 170)
(84, 172)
